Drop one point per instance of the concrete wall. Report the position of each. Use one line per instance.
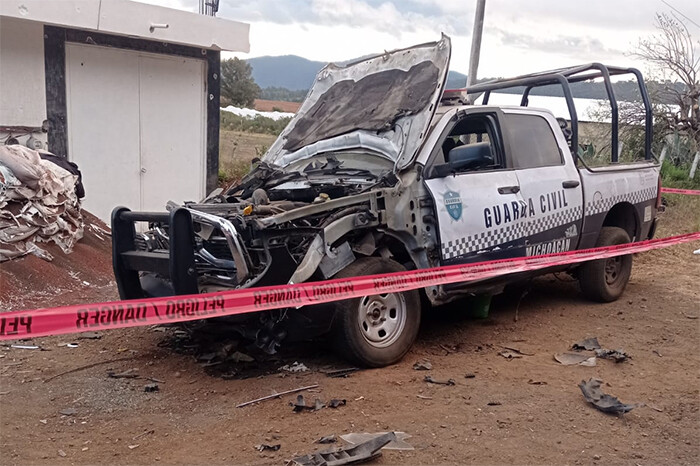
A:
(22, 83)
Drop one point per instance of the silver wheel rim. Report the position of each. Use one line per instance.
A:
(382, 318)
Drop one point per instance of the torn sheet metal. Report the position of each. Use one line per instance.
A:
(606, 403)
(38, 204)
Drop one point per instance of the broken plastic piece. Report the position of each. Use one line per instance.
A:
(606, 403)
(265, 447)
(351, 455)
(296, 367)
(399, 444)
(570, 359)
(334, 403)
(588, 344)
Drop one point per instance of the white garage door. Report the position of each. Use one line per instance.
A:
(136, 127)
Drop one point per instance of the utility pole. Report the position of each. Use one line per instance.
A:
(476, 44)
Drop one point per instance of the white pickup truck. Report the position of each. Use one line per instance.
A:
(380, 171)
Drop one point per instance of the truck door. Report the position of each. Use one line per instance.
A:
(476, 195)
(549, 181)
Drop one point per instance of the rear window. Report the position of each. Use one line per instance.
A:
(532, 141)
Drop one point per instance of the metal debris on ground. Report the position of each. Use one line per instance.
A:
(337, 373)
(276, 395)
(398, 444)
(469, 375)
(422, 366)
(493, 403)
(570, 359)
(588, 344)
(296, 367)
(28, 347)
(300, 405)
(68, 411)
(334, 403)
(327, 439)
(536, 382)
(429, 379)
(265, 447)
(615, 355)
(606, 403)
(518, 351)
(361, 453)
(90, 336)
(127, 374)
(509, 354)
(151, 387)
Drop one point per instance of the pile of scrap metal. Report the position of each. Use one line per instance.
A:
(39, 203)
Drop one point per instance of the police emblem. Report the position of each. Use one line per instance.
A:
(453, 204)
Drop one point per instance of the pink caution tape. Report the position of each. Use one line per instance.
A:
(133, 313)
(690, 192)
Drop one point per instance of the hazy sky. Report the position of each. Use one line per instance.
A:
(519, 35)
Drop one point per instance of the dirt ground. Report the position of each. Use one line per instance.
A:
(526, 410)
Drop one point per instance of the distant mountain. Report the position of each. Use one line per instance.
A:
(296, 73)
(289, 77)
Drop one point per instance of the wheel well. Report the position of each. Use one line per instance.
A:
(623, 216)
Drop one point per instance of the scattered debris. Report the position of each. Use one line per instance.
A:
(240, 357)
(656, 352)
(422, 366)
(355, 454)
(493, 403)
(296, 367)
(147, 432)
(68, 411)
(90, 336)
(334, 403)
(606, 403)
(327, 439)
(399, 443)
(616, 355)
(423, 397)
(276, 395)
(28, 347)
(689, 316)
(570, 359)
(429, 379)
(127, 374)
(518, 351)
(536, 382)
(336, 373)
(44, 421)
(151, 387)
(300, 405)
(131, 447)
(61, 453)
(86, 367)
(588, 344)
(265, 447)
(510, 354)
(469, 375)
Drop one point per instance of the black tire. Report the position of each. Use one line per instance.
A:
(604, 280)
(359, 333)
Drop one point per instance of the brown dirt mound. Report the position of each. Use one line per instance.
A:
(88, 267)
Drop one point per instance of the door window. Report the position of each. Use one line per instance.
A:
(532, 141)
(472, 145)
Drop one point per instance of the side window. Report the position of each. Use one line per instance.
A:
(473, 145)
(532, 141)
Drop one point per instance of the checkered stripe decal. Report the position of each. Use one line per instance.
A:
(605, 204)
(528, 227)
(505, 234)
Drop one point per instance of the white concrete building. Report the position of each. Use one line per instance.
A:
(128, 91)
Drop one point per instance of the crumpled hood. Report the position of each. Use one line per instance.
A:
(382, 104)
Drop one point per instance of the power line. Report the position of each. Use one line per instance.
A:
(679, 12)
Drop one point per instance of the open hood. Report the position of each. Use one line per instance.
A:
(382, 104)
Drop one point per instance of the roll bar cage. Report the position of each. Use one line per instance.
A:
(575, 74)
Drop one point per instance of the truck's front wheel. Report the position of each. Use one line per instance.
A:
(605, 280)
(376, 330)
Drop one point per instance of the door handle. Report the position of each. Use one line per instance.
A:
(570, 184)
(509, 189)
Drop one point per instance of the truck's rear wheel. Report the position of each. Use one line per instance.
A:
(605, 280)
(376, 330)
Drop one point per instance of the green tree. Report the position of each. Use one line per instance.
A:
(237, 85)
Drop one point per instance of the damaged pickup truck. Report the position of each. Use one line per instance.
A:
(382, 171)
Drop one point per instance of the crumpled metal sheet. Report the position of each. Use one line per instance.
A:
(38, 204)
